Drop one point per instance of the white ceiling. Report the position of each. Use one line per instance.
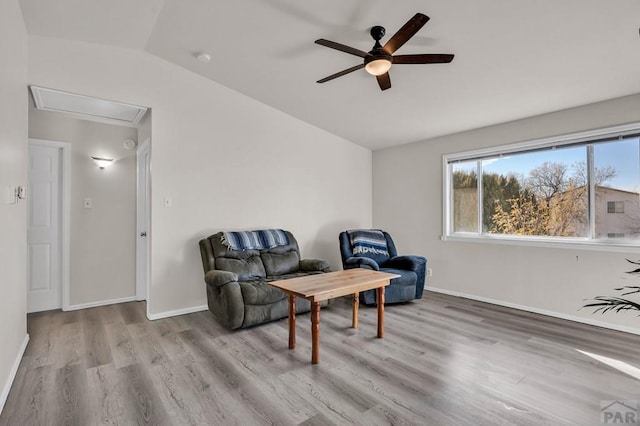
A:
(514, 58)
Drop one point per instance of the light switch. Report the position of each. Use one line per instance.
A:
(167, 202)
(11, 195)
(87, 203)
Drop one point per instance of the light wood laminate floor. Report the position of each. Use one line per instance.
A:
(443, 361)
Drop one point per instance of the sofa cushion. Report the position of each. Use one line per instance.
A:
(246, 263)
(258, 292)
(280, 263)
(247, 269)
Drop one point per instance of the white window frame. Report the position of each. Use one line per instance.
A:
(588, 243)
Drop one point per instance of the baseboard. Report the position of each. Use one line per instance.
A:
(573, 318)
(100, 303)
(12, 373)
(177, 312)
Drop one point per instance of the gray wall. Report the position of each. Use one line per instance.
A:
(13, 172)
(102, 240)
(407, 201)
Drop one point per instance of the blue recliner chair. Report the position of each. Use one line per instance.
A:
(374, 249)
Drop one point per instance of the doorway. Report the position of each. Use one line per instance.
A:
(143, 201)
(47, 225)
(110, 265)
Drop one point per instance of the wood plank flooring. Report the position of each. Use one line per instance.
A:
(443, 361)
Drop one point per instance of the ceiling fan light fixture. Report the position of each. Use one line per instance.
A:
(378, 66)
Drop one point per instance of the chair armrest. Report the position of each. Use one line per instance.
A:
(411, 263)
(417, 264)
(314, 265)
(361, 262)
(220, 278)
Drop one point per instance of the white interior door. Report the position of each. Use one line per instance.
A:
(44, 265)
(143, 209)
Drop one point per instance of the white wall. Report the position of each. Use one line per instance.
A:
(225, 160)
(13, 172)
(102, 240)
(407, 201)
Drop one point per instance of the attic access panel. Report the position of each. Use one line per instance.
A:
(89, 107)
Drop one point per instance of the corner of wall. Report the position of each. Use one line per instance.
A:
(12, 373)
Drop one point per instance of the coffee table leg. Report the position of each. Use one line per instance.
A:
(315, 332)
(380, 312)
(292, 321)
(356, 304)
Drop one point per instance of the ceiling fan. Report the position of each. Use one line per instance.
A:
(379, 59)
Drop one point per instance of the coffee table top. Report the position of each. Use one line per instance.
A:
(334, 284)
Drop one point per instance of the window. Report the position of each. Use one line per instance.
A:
(465, 193)
(577, 188)
(615, 206)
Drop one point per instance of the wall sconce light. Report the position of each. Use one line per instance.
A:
(102, 162)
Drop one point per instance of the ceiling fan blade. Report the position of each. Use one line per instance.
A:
(436, 58)
(384, 81)
(341, 73)
(407, 31)
(341, 47)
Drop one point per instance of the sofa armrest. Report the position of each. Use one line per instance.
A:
(314, 265)
(361, 262)
(220, 278)
(410, 263)
(224, 298)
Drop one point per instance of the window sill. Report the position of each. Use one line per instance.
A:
(547, 242)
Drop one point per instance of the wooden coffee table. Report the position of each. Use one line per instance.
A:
(316, 288)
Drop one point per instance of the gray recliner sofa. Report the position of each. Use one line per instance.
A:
(237, 290)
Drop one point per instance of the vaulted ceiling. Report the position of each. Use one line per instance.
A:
(513, 59)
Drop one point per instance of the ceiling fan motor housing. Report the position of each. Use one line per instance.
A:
(377, 32)
(377, 53)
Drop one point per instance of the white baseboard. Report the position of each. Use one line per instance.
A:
(573, 318)
(177, 312)
(100, 303)
(12, 373)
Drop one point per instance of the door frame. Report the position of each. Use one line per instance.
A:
(65, 210)
(143, 217)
